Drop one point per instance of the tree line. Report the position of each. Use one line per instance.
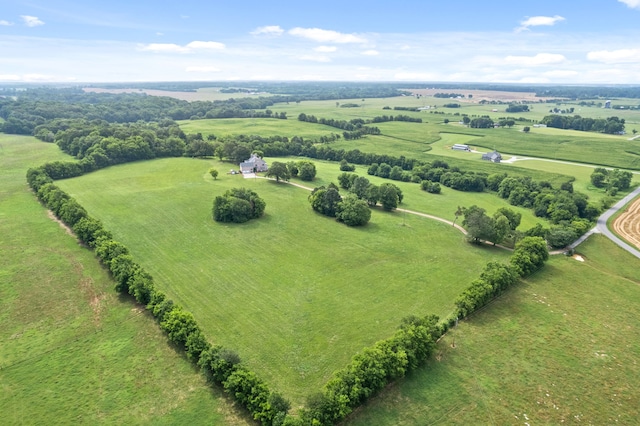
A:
(610, 125)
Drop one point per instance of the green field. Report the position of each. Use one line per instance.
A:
(72, 351)
(295, 293)
(559, 348)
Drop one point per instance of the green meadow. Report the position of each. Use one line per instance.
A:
(559, 348)
(72, 351)
(295, 293)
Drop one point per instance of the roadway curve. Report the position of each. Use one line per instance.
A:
(602, 228)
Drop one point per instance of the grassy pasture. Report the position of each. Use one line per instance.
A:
(71, 350)
(295, 293)
(560, 347)
(257, 126)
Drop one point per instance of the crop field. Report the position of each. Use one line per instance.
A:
(257, 126)
(295, 293)
(72, 351)
(560, 348)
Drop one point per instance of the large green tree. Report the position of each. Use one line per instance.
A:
(353, 211)
(278, 170)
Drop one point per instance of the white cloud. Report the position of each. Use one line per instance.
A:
(326, 36)
(315, 58)
(633, 4)
(31, 21)
(202, 69)
(537, 60)
(371, 52)
(325, 49)
(271, 30)
(205, 45)
(615, 56)
(9, 77)
(164, 48)
(4, 23)
(536, 21)
(176, 48)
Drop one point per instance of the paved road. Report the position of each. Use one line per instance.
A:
(601, 226)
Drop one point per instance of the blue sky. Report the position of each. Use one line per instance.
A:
(550, 42)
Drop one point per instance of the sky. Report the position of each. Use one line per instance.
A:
(546, 42)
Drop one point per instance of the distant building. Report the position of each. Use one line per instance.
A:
(492, 156)
(460, 147)
(253, 164)
(607, 104)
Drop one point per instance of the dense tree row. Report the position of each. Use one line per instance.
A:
(219, 364)
(372, 369)
(609, 125)
(529, 256)
(448, 95)
(400, 117)
(355, 125)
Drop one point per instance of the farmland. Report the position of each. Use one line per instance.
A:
(297, 294)
(266, 289)
(72, 350)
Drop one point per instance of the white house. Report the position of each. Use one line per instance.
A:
(253, 164)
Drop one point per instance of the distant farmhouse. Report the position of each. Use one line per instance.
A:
(253, 164)
(460, 147)
(492, 156)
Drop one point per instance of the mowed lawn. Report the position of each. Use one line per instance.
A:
(560, 348)
(295, 293)
(71, 350)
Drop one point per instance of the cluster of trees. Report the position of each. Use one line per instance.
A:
(517, 108)
(609, 125)
(349, 209)
(529, 256)
(481, 123)
(451, 105)
(238, 205)
(221, 365)
(495, 229)
(570, 212)
(387, 194)
(613, 180)
(303, 169)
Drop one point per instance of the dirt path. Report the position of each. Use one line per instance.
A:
(627, 224)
